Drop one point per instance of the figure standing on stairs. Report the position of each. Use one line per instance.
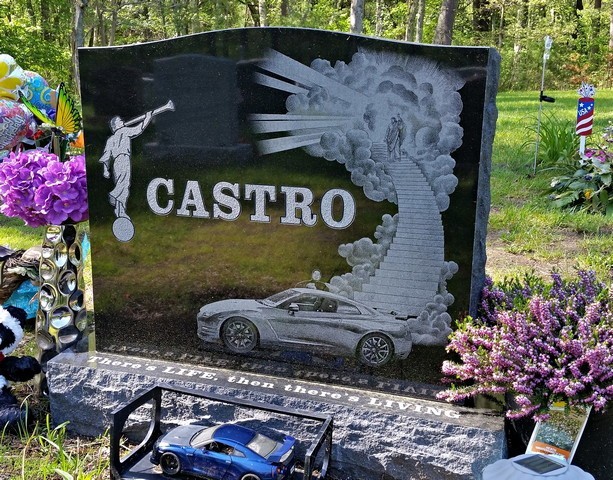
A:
(394, 136)
(391, 138)
(402, 133)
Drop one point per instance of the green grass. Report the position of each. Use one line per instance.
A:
(523, 224)
(38, 450)
(15, 234)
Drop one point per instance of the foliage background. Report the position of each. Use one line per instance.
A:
(41, 33)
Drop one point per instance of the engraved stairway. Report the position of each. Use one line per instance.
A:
(408, 277)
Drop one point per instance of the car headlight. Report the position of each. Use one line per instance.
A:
(287, 456)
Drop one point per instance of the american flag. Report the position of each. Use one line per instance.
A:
(585, 116)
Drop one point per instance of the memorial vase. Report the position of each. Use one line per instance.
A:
(61, 320)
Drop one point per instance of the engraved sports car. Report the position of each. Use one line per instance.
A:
(224, 452)
(305, 318)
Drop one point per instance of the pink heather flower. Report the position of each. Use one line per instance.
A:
(41, 190)
(540, 343)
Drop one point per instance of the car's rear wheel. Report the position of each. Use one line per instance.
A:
(250, 476)
(239, 335)
(170, 464)
(375, 350)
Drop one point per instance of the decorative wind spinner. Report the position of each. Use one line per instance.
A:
(585, 114)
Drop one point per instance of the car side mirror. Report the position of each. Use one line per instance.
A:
(293, 308)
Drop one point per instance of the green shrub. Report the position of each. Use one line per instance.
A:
(588, 187)
(557, 140)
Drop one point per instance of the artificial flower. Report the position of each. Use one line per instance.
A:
(42, 190)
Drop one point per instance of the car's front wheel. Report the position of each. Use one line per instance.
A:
(375, 350)
(170, 464)
(239, 335)
(250, 476)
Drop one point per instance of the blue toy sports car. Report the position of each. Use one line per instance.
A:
(224, 452)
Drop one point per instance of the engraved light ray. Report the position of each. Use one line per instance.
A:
(305, 129)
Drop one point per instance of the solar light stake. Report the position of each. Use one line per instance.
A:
(542, 98)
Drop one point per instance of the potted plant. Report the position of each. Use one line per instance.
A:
(540, 343)
(587, 183)
(535, 344)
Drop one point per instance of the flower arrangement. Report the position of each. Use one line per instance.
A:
(588, 186)
(42, 186)
(541, 343)
(39, 188)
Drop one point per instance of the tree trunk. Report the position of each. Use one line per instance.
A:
(578, 8)
(255, 13)
(481, 16)
(58, 18)
(100, 33)
(31, 12)
(78, 39)
(501, 27)
(262, 13)
(596, 26)
(162, 8)
(379, 18)
(116, 5)
(45, 16)
(517, 43)
(610, 56)
(419, 24)
(284, 8)
(356, 17)
(145, 15)
(525, 12)
(446, 18)
(409, 31)
(91, 37)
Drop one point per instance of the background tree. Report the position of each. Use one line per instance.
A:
(43, 34)
(357, 15)
(446, 19)
(78, 37)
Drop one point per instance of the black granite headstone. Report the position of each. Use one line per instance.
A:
(290, 199)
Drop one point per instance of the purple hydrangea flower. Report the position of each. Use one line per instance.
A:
(42, 190)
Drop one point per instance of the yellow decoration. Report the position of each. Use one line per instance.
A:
(79, 142)
(11, 77)
(558, 406)
(67, 116)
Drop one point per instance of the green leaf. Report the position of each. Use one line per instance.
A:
(566, 199)
(604, 199)
(63, 474)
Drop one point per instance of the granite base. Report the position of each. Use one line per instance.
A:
(376, 435)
